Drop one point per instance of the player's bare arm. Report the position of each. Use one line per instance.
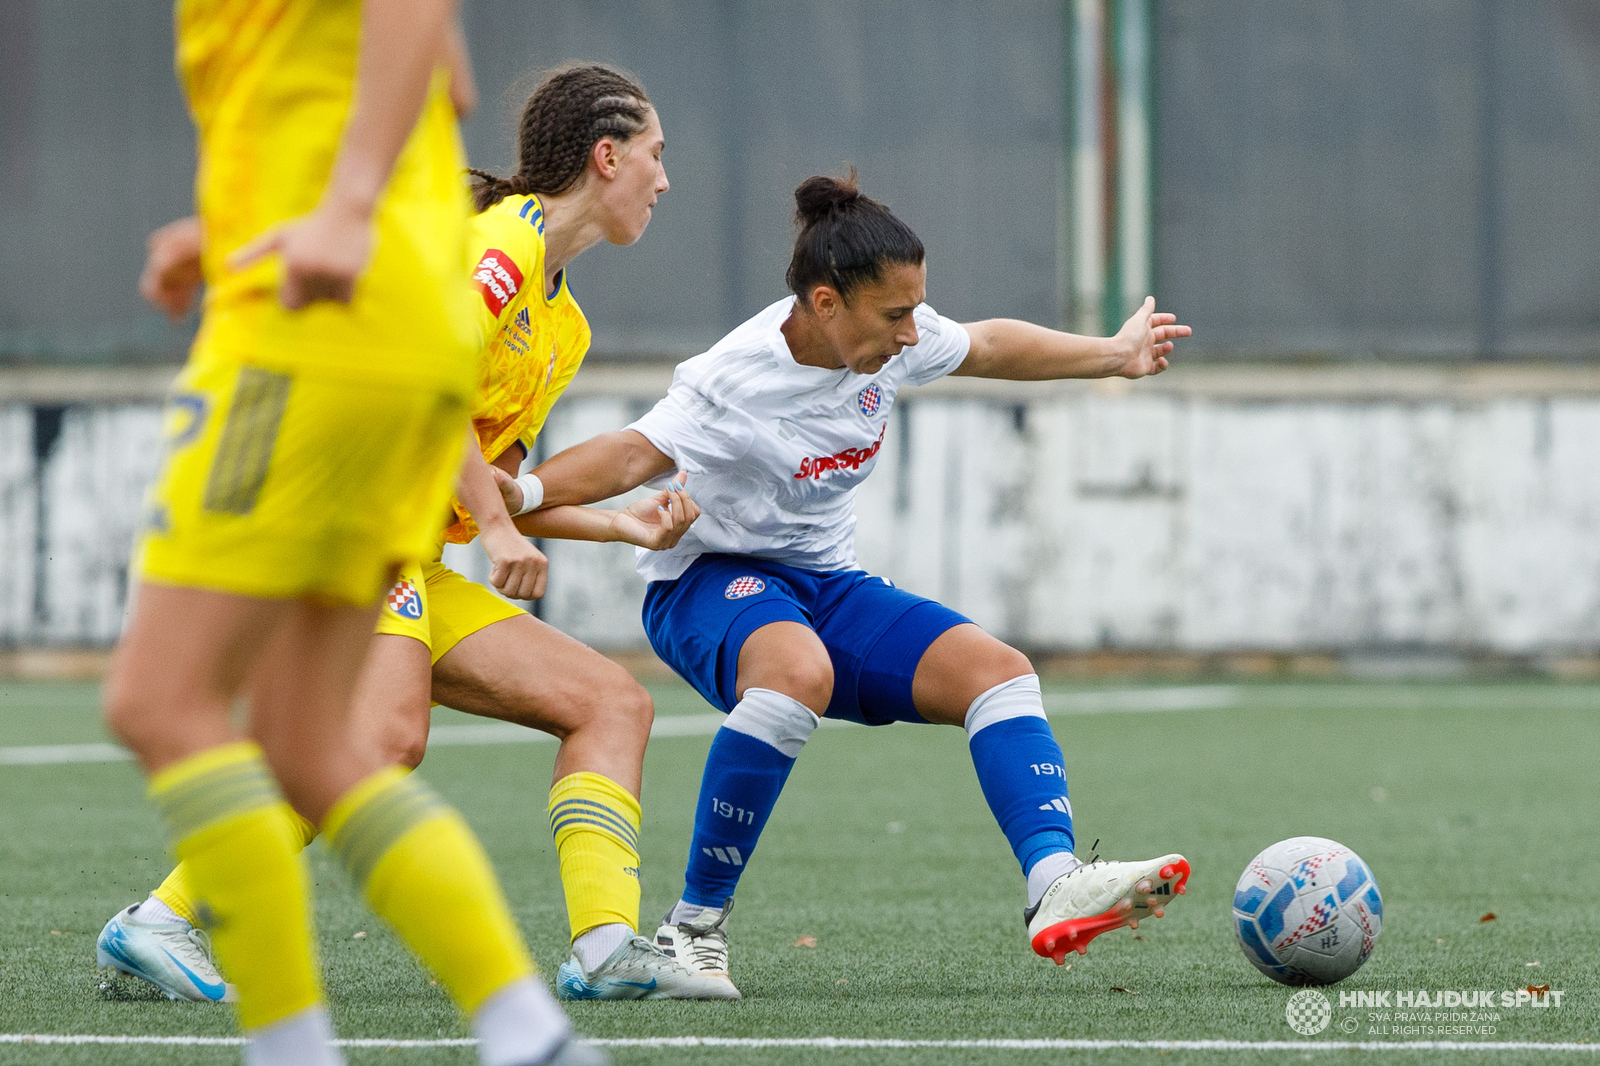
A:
(463, 82)
(600, 468)
(325, 252)
(1021, 351)
(656, 522)
(517, 568)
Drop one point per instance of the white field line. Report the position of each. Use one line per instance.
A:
(1110, 701)
(845, 1043)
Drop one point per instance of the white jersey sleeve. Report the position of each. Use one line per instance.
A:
(942, 347)
(687, 428)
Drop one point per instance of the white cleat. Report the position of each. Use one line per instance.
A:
(175, 957)
(639, 969)
(1101, 896)
(700, 944)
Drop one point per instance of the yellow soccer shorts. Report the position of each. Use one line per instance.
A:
(434, 604)
(293, 485)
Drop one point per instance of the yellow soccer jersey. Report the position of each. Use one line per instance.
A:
(534, 345)
(270, 84)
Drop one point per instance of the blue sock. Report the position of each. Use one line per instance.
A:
(750, 759)
(1021, 769)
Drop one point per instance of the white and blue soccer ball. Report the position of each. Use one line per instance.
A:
(1307, 911)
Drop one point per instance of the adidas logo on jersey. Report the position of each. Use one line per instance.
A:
(1060, 803)
(729, 855)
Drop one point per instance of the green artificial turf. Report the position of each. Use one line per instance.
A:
(1464, 799)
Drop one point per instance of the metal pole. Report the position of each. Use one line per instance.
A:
(1088, 186)
(1135, 190)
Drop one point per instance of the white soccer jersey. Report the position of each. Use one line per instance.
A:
(775, 449)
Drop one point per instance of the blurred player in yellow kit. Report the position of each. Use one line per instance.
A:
(591, 143)
(312, 435)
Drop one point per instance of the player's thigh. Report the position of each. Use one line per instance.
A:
(960, 665)
(523, 670)
(393, 700)
(185, 655)
(790, 658)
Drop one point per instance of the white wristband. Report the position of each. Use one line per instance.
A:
(532, 493)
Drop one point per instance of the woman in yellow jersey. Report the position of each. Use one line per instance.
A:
(590, 171)
(334, 352)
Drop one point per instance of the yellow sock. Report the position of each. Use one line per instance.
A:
(234, 835)
(596, 826)
(425, 873)
(178, 891)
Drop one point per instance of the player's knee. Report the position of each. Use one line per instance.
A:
(997, 664)
(610, 702)
(807, 678)
(123, 712)
(623, 708)
(403, 746)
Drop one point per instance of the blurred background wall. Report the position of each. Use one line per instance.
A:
(1378, 217)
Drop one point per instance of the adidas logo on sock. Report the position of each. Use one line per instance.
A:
(729, 855)
(1060, 803)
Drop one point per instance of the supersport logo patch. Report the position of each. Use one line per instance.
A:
(848, 459)
(498, 278)
(740, 587)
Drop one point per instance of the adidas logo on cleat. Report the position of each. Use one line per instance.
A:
(1163, 889)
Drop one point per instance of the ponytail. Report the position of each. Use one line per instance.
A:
(845, 238)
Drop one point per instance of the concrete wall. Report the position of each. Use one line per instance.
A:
(1203, 511)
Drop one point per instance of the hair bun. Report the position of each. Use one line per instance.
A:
(819, 195)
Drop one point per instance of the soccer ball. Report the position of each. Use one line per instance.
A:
(1307, 911)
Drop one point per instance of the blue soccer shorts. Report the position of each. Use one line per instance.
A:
(875, 633)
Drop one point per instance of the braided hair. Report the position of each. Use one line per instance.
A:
(574, 108)
(845, 238)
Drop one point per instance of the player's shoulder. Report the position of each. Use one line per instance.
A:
(506, 246)
(515, 225)
(930, 323)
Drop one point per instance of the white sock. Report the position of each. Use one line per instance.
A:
(1047, 871)
(153, 910)
(596, 945)
(519, 1024)
(304, 1039)
(686, 912)
(773, 718)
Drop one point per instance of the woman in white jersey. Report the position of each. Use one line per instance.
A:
(762, 606)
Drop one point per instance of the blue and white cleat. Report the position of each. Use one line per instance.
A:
(639, 970)
(173, 956)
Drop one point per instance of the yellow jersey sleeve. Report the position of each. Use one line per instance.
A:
(534, 342)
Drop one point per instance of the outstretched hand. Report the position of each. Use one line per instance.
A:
(658, 521)
(323, 253)
(1146, 339)
(171, 275)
